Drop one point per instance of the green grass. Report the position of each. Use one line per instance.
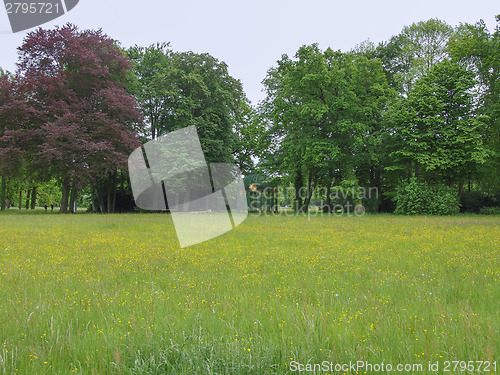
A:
(114, 294)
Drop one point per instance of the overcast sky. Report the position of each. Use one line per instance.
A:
(250, 36)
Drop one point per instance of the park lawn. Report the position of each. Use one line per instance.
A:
(114, 294)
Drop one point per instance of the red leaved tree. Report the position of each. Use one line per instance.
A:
(82, 121)
(14, 115)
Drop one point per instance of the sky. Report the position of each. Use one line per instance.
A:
(251, 36)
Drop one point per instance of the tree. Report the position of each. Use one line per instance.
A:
(151, 64)
(180, 89)
(306, 99)
(437, 128)
(81, 121)
(12, 110)
(373, 95)
(475, 47)
(412, 53)
(251, 140)
(323, 108)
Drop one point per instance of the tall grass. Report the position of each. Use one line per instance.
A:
(114, 294)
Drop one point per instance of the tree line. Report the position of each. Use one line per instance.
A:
(416, 117)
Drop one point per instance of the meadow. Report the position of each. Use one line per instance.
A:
(115, 294)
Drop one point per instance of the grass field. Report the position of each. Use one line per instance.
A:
(114, 294)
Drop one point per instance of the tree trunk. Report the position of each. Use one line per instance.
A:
(460, 190)
(271, 205)
(329, 180)
(20, 197)
(33, 198)
(93, 197)
(28, 199)
(275, 196)
(114, 187)
(100, 201)
(122, 178)
(65, 196)
(311, 185)
(328, 202)
(109, 197)
(298, 187)
(417, 171)
(72, 199)
(3, 193)
(305, 205)
(372, 175)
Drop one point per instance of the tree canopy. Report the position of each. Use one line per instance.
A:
(73, 118)
(416, 113)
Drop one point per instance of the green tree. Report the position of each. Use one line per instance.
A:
(322, 109)
(251, 140)
(151, 65)
(304, 99)
(180, 89)
(437, 129)
(412, 53)
(475, 47)
(373, 95)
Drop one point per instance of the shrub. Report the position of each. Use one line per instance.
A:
(417, 197)
(474, 201)
(490, 210)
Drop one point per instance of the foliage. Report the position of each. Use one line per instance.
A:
(323, 108)
(424, 104)
(75, 120)
(479, 50)
(419, 198)
(409, 55)
(490, 210)
(180, 89)
(436, 127)
(474, 201)
(251, 140)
